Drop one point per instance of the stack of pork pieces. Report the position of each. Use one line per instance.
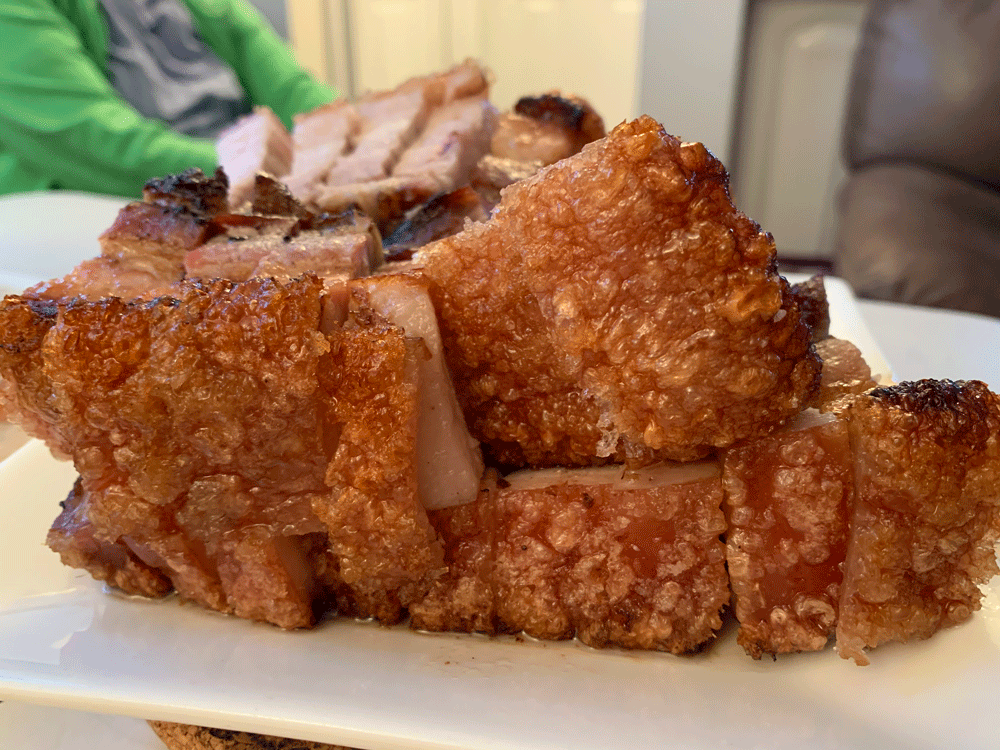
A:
(492, 372)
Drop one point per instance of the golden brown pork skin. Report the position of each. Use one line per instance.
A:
(617, 307)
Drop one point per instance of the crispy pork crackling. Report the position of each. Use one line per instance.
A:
(617, 307)
(927, 513)
(229, 448)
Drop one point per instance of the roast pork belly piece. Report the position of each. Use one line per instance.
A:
(198, 426)
(73, 537)
(615, 557)
(143, 252)
(386, 200)
(258, 142)
(546, 128)
(845, 374)
(390, 122)
(319, 139)
(927, 512)
(448, 461)
(467, 79)
(96, 278)
(386, 550)
(343, 247)
(788, 500)
(617, 307)
(463, 599)
(442, 216)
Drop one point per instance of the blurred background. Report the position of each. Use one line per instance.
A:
(761, 82)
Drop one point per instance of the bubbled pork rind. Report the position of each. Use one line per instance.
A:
(927, 514)
(845, 374)
(618, 307)
(463, 599)
(788, 499)
(638, 567)
(197, 425)
(73, 538)
(387, 552)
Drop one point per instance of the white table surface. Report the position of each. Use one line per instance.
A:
(917, 342)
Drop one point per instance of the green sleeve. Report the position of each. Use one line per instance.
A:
(61, 117)
(262, 61)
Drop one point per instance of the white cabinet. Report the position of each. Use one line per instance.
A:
(787, 167)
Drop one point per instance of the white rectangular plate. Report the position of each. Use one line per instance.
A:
(66, 641)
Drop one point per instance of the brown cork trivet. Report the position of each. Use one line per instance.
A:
(190, 737)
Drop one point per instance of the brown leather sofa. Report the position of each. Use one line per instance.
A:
(920, 214)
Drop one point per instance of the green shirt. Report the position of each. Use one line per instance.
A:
(62, 124)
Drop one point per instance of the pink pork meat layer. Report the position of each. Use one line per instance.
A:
(449, 464)
(319, 139)
(455, 138)
(390, 122)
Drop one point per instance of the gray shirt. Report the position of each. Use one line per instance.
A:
(159, 65)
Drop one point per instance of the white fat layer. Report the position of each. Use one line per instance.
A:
(617, 477)
(809, 418)
(449, 464)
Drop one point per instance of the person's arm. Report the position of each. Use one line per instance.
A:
(60, 115)
(261, 60)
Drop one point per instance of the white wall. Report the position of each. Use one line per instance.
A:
(689, 69)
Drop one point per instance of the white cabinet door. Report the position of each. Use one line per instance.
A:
(787, 168)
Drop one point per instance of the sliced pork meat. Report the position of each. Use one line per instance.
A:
(390, 122)
(467, 79)
(342, 246)
(457, 135)
(258, 142)
(347, 255)
(386, 200)
(616, 306)
(142, 253)
(319, 139)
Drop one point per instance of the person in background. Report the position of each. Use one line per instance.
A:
(101, 95)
